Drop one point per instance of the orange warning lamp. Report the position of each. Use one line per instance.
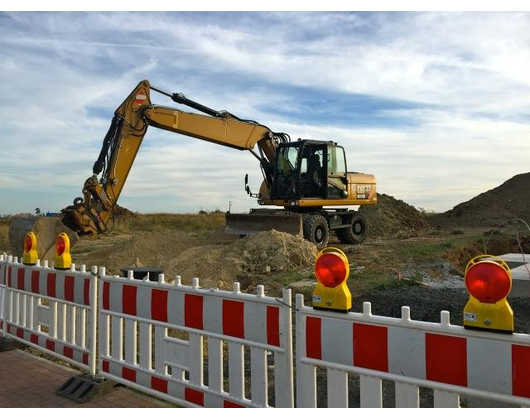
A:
(332, 269)
(63, 259)
(30, 256)
(488, 280)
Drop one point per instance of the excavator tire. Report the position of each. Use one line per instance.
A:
(316, 230)
(356, 233)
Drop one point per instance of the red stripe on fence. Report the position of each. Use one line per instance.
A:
(128, 374)
(313, 338)
(8, 273)
(230, 404)
(159, 384)
(68, 352)
(446, 359)
(129, 299)
(370, 347)
(521, 370)
(159, 305)
(50, 284)
(50, 345)
(69, 288)
(193, 311)
(105, 366)
(20, 333)
(233, 318)
(20, 278)
(35, 285)
(34, 338)
(273, 325)
(106, 295)
(194, 396)
(86, 292)
(85, 359)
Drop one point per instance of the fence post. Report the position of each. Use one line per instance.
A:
(284, 363)
(306, 380)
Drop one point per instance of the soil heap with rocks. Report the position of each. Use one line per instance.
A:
(263, 253)
(507, 201)
(393, 218)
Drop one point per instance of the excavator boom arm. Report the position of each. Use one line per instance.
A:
(92, 213)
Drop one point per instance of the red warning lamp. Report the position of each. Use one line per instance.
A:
(331, 291)
(30, 256)
(488, 280)
(60, 245)
(63, 259)
(28, 243)
(330, 269)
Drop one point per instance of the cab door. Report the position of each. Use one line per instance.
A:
(337, 185)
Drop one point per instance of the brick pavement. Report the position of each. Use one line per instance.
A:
(30, 381)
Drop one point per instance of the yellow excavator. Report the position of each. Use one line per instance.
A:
(301, 179)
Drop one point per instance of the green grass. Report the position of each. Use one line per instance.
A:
(426, 250)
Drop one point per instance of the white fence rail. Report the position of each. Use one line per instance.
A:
(52, 310)
(153, 336)
(448, 359)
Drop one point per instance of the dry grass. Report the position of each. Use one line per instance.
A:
(157, 222)
(4, 238)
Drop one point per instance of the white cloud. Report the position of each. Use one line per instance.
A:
(465, 75)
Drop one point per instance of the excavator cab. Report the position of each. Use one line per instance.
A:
(309, 169)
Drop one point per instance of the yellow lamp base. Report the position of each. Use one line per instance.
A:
(332, 298)
(496, 317)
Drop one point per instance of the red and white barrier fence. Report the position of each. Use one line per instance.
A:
(449, 359)
(52, 310)
(3, 265)
(152, 337)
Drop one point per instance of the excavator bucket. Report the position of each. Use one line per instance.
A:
(247, 224)
(46, 230)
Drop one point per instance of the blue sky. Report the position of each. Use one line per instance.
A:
(436, 105)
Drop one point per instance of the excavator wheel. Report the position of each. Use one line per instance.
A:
(316, 230)
(356, 232)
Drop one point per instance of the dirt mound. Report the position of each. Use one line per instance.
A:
(507, 201)
(121, 212)
(140, 249)
(393, 218)
(263, 253)
(490, 244)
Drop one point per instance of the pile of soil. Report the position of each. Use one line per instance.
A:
(138, 250)
(393, 218)
(216, 262)
(263, 253)
(507, 201)
(491, 244)
(120, 212)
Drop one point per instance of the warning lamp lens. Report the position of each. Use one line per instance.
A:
(488, 282)
(28, 243)
(60, 245)
(330, 270)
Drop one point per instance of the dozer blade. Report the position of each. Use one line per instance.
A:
(247, 224)
(46, 230)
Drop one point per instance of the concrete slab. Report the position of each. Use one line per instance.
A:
(520, 268)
